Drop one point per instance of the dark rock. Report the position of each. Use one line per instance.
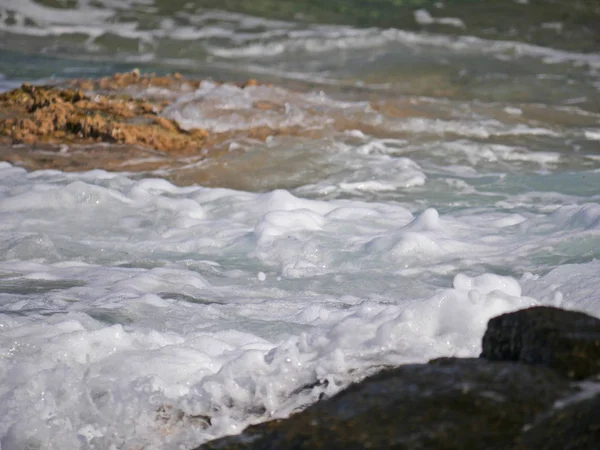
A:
(573, 426)
(449, 403)
(522, 397)
(567, 341)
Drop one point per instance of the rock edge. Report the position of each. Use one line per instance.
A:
(520, 394)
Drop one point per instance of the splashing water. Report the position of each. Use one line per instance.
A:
(439, 179)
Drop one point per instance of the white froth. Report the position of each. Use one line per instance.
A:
(592, 135)
(226, 107)
(131, 307)
(423, 17)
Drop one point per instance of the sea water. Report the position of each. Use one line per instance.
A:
(443, 179)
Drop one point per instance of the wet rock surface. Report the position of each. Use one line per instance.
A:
(152, 85)
(53, 115)
(525, 398)
(111, 123)
(567, 341)
(147, 123)
(571, 425)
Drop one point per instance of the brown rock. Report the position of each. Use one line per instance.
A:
(135, 79)
(61, 128)
(52, 115)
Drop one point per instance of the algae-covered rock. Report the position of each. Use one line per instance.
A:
(117, 123)
(567, 341)
(143, 122)
(111, 123)
(49, 114)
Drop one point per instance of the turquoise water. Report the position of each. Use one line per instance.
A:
(450, 172)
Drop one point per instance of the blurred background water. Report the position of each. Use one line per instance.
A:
(491, 50)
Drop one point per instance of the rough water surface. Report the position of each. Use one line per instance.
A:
(437, 175)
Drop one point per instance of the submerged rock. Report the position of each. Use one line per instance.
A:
(524, 398)
(119, 82)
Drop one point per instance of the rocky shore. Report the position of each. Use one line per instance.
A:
(535, 386)
(112, 123)
(122, 123)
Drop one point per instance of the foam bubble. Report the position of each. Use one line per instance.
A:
(423, 17)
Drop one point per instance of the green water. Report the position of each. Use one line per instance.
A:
(495, 19)
(31, 39)
(492, 74)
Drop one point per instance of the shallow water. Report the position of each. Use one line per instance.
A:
(447, 173)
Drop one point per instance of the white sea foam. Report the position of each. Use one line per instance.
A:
(132, 310)
(423, 17)
(344, 38)
(223, 108)
(226, 107)
(592, 135)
